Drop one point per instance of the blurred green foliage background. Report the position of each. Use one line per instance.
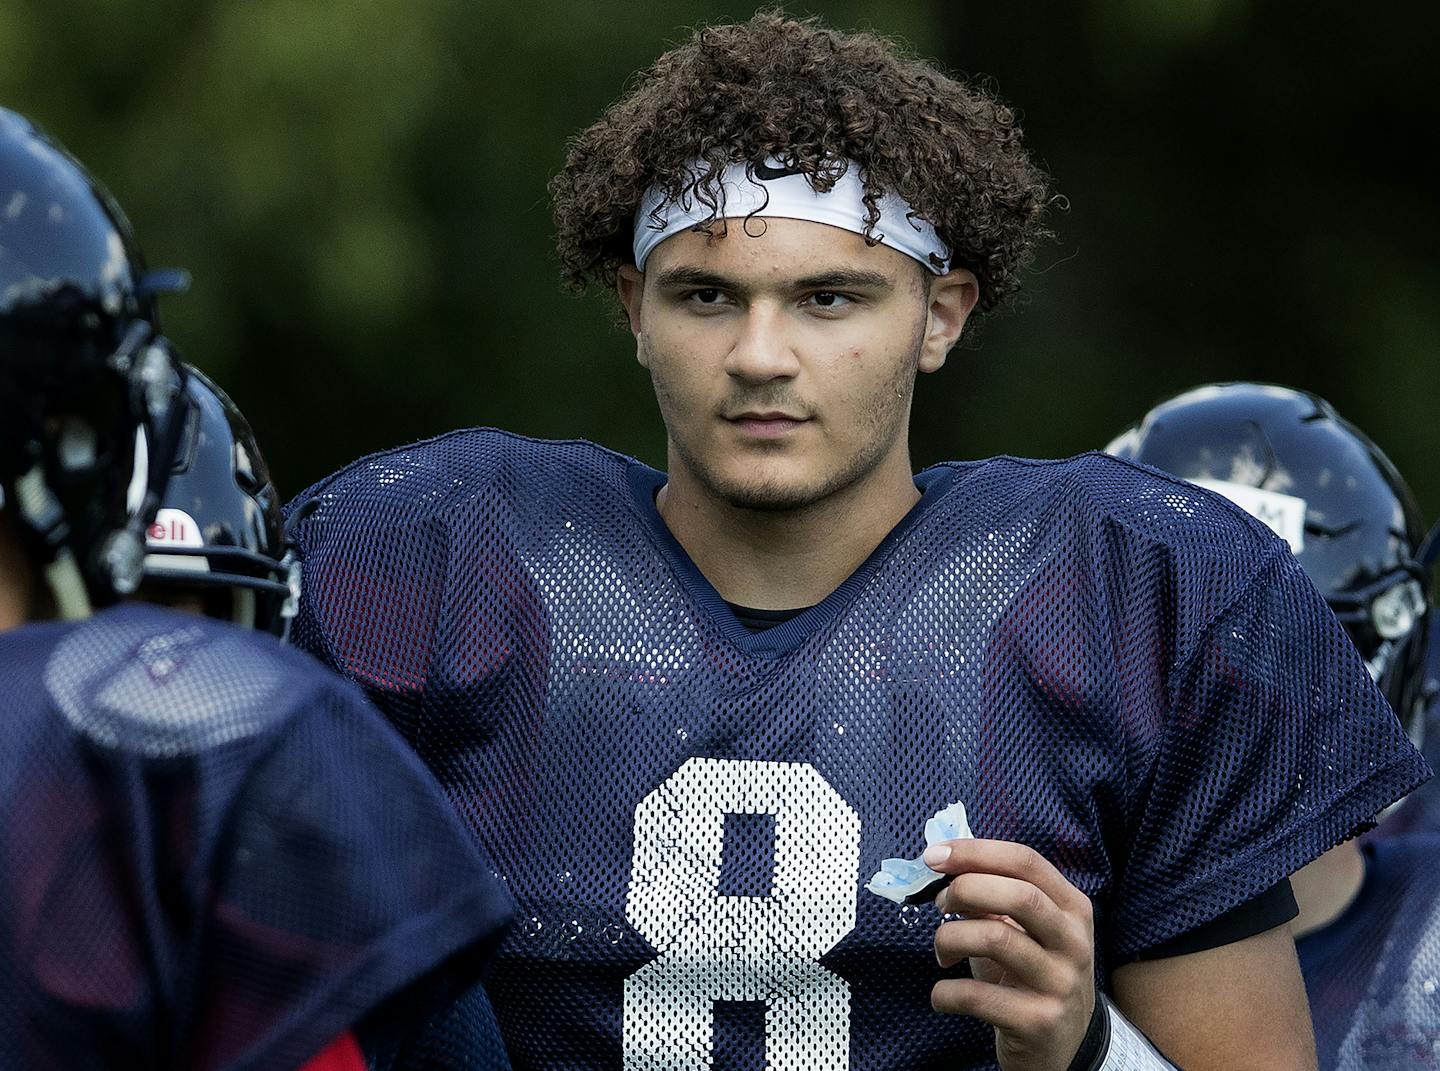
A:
(358, 187)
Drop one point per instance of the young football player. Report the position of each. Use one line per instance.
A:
(213, 853)
(1368, 932)
(722, 726)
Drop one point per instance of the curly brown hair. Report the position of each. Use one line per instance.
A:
(813, 98)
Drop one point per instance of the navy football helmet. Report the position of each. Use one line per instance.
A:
(218, 532)
(82, 368)
(1288, 458)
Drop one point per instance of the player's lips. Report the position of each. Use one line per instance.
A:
(769, 424)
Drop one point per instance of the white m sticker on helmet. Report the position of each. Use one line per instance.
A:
(1283, 514)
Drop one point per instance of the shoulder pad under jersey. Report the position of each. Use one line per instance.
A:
(162, 684)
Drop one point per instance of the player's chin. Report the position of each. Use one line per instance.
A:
(772, 493)
(767, 478)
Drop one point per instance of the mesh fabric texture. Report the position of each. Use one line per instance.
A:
(460, 1036)
(1373, 975)
(1120, 670)
(215, 855)
(1420, 811)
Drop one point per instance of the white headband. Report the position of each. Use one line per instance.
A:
(775, 190)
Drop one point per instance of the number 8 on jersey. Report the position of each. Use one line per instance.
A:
(715, 947)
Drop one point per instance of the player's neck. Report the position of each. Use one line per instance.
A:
(14, 582)
(783, 560)
(1326, 887)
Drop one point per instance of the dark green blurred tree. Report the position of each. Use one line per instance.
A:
(1249, 198)
(358, 187)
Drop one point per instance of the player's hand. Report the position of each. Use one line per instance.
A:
(1030, 938)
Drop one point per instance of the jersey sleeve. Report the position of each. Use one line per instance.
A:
(410, 586)
(413, 589)
(1277, 745)
(373, 574)
(342, 878)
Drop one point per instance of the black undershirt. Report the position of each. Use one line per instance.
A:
(1273, 907)
(759, 620)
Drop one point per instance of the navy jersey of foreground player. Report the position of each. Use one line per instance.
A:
(1121, 671)
(1373, 974)
(209, 832)
(1420, 812)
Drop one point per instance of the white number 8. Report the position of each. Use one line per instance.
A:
(742, 948)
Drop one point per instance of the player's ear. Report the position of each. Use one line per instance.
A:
(630, 287)
(952, 298)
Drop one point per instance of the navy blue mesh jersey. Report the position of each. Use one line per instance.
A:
(1373, 975)
(215, 854)
(1420, 813)
(1116, 668)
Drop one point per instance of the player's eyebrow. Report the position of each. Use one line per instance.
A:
(685, 276)
(700, 278)
(845, 279)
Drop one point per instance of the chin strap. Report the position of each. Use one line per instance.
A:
(291, 607)
(157, 390)
(1112, 1043)
(42, 513)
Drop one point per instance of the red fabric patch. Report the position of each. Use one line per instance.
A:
(342, 1054)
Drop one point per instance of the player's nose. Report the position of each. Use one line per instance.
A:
(762, 350)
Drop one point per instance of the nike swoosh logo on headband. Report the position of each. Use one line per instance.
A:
(766, 172)
(752, 188)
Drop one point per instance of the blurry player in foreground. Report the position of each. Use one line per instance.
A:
(1368, 932)
(213, 853)
(707, 720)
